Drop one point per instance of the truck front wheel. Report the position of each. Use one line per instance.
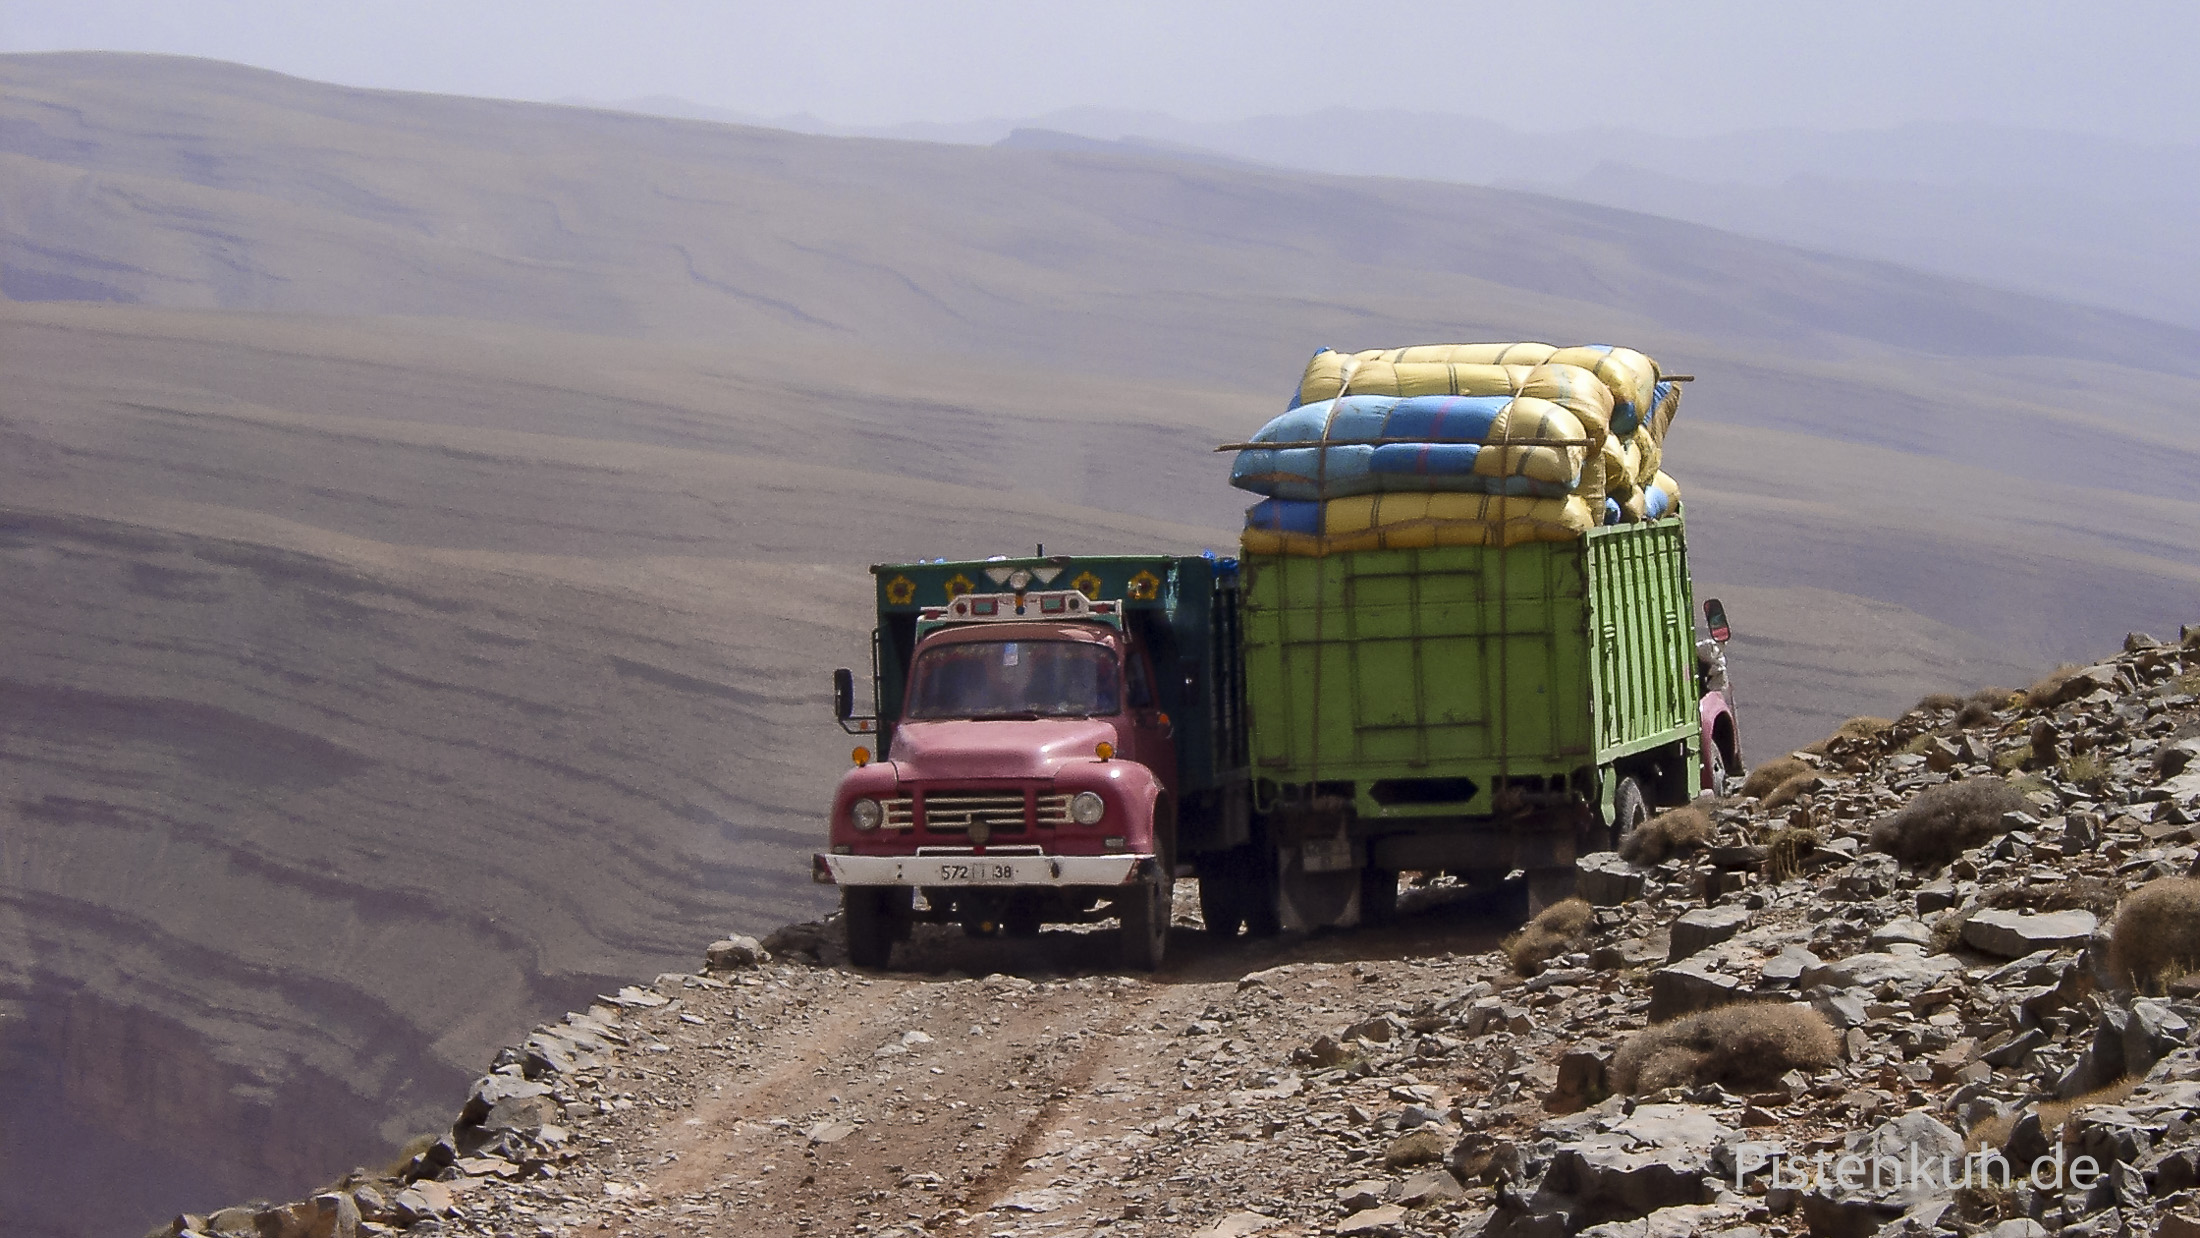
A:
(871, 914)
(1144, 913)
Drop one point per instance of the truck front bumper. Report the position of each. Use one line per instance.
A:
(978, 870)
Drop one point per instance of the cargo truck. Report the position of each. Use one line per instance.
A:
(1059, 738)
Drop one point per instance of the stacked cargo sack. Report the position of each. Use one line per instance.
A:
(1460, 444)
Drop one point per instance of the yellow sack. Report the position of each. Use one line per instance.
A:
(1591, 488)
(1649, 455)
(1661, 418)
(1416, 521)
(1530, 418)
(1665, 482)
(1632, 376)
(1469, 354)
(1570, 387)
(1622, 465)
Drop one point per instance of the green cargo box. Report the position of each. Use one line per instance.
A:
(1419, 683)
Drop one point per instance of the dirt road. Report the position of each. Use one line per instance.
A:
(996, 1087)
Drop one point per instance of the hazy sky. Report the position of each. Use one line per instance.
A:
(1677, 66)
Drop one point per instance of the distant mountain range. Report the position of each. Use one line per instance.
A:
(426, 526)
(2069, 215)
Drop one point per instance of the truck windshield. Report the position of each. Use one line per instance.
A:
(1009, 679)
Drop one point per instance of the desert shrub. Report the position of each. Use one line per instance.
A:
(2054, 1113)
(2156, 937)
(1669, 833)
(415, 1146)
(1772, 773)
(1992, 698)
(1858, 728)
(1789, 790)
(1785, 850)
(2086, 769)
(2048, 691)
(1991, 1131)
(2010, 760)
(1917, 746)
(1975, 713)
(1944, 820)
(2030, 784)
(1939, 702)
(1747, 1046)
(2189, 683)
(1556, 930)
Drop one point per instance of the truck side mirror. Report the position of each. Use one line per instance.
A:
(1715, 614)
(844, 694)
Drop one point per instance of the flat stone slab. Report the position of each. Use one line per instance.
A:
(1909, 967)
(2015, 934)
(1703, 928)
(1689, 986)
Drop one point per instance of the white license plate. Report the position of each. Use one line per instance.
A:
(975, 870)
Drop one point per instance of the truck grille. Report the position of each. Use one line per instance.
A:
(956, 811)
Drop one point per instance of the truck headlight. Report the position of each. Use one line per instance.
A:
(1086, 808)
(866, 814)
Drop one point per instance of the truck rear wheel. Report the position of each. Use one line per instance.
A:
(1630, 808)
(1262, 890)
(871, 915)
(1378, 896)
(1224, 884)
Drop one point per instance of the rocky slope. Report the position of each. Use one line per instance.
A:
(1758, 1019)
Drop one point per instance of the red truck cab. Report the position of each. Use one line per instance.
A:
(1028, 779)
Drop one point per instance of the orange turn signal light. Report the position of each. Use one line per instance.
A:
(1104, 750)
(861, 756)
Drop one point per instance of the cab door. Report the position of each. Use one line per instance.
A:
(1151, 732)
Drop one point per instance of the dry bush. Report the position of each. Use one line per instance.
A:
(2030, 784)
(1556, 930)
(1789, 791)
(2189, 683)
(1991, 1132)
(1669, 833)
(1774, 772)
(1785, 850)
(1917, 746)
(2086, 769)
(1860, 727)
(1938, 702)
(1975, 713)
(1743, 1047)
(2047, 692)
(415, 1146)
(1993, 698)
(1944, 820)
(2156, 937)
(2010, 760)
(2054, 1113)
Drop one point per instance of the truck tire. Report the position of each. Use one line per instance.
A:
(1224, 885)
(1378, 896)
(1144, 916)
(1630, 808)
(870, 915)
(1262, 890)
